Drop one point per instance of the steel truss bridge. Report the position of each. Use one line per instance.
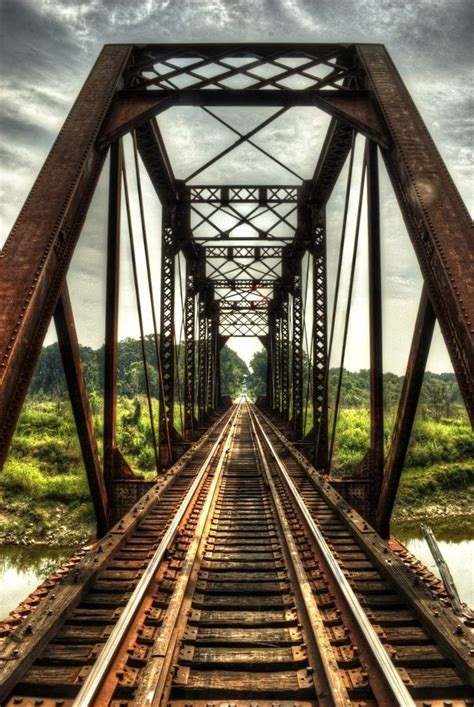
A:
(249, 260)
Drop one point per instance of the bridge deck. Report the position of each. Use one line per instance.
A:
(241, 576)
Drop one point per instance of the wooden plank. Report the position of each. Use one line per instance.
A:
(255, 658)
(275, 683)
(247, 636)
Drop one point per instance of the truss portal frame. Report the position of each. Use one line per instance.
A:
(241, 236)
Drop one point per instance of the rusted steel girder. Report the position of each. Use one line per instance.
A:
(112, 313)
(37, 253)
(420, 347)
(436, 218)
(69, 348)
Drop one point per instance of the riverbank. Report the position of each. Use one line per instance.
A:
(31, 521)
(25, 520)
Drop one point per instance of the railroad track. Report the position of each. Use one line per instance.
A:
(245, 580)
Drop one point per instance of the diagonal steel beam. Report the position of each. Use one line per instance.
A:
(36, 255)
(437, 220)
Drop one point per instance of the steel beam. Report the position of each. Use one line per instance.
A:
(167, 334)
(336, 147)
(202, 357)
(297, 348)
(71, 358)
(35, 258)
(189, 353)
(155, 158)
(412, 383)
(285, 359)
(319, 334)
(375, 325)
(134, 109)
(112, 313)
(437, 221)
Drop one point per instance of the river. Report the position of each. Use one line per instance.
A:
(23, 568)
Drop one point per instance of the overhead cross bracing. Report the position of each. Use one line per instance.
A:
(243, 145)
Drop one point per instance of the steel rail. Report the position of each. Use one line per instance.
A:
(151, 689)
(399, 693)
(328, 680)
(101, 668)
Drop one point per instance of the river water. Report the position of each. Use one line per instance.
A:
(22, 569)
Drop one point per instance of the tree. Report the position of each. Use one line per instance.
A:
(257, 381)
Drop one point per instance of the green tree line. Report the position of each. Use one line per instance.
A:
(48, 378)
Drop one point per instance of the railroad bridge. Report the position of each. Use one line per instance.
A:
(244, 573)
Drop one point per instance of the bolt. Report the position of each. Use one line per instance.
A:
(458, 631)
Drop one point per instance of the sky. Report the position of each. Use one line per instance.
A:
(47, 48)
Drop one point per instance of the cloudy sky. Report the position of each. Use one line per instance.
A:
(48, 47)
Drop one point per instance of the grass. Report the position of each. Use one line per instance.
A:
(43, 486)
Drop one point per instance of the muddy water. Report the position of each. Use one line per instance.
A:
(23, 568)
(455, 538)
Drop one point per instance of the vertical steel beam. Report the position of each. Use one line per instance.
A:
(167, 333)
(112, 313)
(420, 347)
(215, 356)
(297, 368)
(36, 255)
(277, 375)
(202, 357)
(285, 359)
(70, 355)
(271, 357)
(189, 352)
(375, 325)
(319, 333)
(210, 349)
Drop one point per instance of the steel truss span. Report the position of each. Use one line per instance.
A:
(241, 255)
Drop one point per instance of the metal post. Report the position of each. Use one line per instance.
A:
(375, 325)
(210, 353)
(420, 347)
(320, 396)
(277, 383)
(297, 369)
(111, 313)
(70, 355)
(216, 356)
(202, 357)
(189, 348)
(167, 333)
(271, 358)
(285, 359)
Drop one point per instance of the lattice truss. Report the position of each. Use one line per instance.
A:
(225, 68)
(244, 233)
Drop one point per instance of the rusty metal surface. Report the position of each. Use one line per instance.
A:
(70, 355)
(36, 255)
(437, 220)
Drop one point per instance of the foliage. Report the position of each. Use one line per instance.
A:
(48, 379)
(45, 472)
